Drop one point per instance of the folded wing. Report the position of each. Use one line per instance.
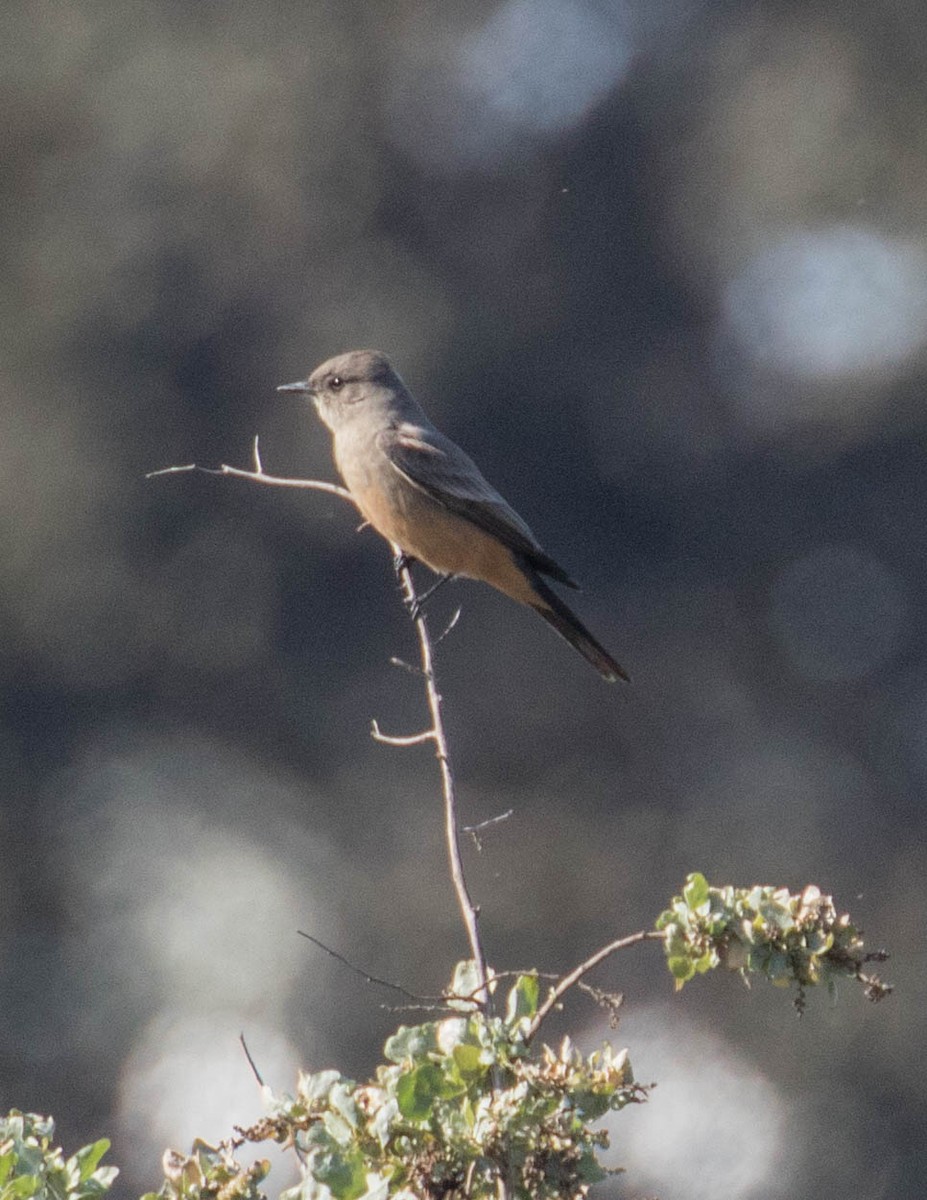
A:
(436, 465)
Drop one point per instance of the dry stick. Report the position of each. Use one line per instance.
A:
(258, 475)
(468, 909)
(436, 734)
(573, 977)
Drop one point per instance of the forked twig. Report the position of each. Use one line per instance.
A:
(435, 734)
(258, 475)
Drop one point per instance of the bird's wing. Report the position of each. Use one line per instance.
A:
(437, 466)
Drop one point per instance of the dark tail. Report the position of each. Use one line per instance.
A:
(572, 630)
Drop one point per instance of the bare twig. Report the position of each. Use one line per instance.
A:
(448, 627)
(468, 909)
(569, 980)
(489, 821)
(475, 830)
(251, 1063)
(412, 739)
(404, 666)
(610, 1001)
(258, 475)
(366, 976)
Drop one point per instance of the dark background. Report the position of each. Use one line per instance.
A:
(661, 267)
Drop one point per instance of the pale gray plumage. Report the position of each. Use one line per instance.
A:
(428, 498)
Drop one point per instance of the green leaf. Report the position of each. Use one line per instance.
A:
(21, 1186)
(88, 1157)
(417, 1091)
(591, 1105)
(7, 1162)
(778, 968)
(682, 969)
(468, 1061)
(344, 1175)
(523, 1000)
(590, 1169)
(377, 1189)
(341, 1099)
(696, 891)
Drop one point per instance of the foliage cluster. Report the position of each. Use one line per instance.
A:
(789, 937)
(32, 1167)
(464, 1105)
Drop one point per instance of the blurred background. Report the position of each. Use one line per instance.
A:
(660, 266)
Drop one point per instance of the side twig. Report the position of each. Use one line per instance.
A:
(559, 990)
(258, 475)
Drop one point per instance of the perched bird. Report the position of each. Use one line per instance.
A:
(426, 497)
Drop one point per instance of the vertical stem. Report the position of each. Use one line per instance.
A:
(468, 910)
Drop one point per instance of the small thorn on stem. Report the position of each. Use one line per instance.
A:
(414, 739)
(400, 662)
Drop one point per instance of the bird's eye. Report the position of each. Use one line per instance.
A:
(336, 383)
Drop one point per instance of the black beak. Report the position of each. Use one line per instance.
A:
(302, 386)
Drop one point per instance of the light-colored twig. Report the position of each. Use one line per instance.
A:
(448, 627)
(468, 909)
(404, 666)
(412, 739)
(489, 821)
(259, 475)
(559, 990)
(475, 830)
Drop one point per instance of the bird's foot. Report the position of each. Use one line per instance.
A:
(402, 561)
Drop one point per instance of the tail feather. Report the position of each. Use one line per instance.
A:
(571, 629)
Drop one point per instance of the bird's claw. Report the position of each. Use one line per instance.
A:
(402, 561)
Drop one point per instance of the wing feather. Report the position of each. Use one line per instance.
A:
(437, 466)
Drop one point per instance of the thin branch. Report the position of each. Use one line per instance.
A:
(251, 1063)
(366, 976)
(412, 739)
(468, 910)
(258, 475)
(573, 977)
(448, 627)
(489, 821)
(475, 830)
(403, 665)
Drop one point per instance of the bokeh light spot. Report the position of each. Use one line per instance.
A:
(831, 303)
(531, 70)
(187, 1077)
(541, 66)
(715, 1126)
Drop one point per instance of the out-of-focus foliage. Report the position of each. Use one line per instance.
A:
(463, 1105)
(460, 1106)
(791, 939)
(209, 1173)
(32, 1167)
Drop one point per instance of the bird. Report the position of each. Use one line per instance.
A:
(429, 500)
